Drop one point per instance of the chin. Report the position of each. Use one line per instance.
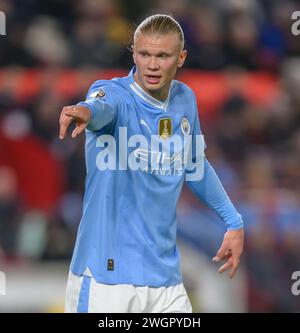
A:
(153, 87)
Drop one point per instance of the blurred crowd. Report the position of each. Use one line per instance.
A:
(255, 34)
(255, 148)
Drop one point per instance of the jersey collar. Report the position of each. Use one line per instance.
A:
(137, 89)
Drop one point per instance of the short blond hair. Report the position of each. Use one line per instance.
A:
(160, 24)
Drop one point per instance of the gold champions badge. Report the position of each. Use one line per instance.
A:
(165, 128)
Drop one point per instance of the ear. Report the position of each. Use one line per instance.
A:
(182, 57)
(133, 53)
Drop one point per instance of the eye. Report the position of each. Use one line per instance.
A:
(163, 56)
(144, 54)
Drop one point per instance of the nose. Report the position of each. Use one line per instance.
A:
(152, 64)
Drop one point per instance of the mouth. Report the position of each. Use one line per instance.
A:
(152, 78)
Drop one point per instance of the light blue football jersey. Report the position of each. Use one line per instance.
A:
(127, 233)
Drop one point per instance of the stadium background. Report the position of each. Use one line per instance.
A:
(244, 66)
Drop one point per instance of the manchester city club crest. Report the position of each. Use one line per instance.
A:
(165, 128)
(185, 126)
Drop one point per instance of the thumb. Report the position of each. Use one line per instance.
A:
(78, 129)
(220, 254)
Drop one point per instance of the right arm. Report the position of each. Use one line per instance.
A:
(98, 110)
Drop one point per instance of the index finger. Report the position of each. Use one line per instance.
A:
(224, 268)
(72, 111)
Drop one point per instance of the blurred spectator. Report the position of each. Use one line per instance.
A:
(45, 41)
(10, 211)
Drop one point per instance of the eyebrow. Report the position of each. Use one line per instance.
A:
(157, 54)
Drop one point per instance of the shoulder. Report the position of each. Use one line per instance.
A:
(185, 96)
(104, 88)
(183, 90)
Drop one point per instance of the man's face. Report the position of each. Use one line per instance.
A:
(157, 58)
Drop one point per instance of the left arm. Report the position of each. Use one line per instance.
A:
(210, 191)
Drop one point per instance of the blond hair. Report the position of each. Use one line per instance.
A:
(160, 24)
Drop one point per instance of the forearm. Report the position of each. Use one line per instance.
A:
(211, 192)
(101, 114)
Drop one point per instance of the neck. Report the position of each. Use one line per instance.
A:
(160, 95)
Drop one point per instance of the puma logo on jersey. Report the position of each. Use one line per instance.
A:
(142, 122)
